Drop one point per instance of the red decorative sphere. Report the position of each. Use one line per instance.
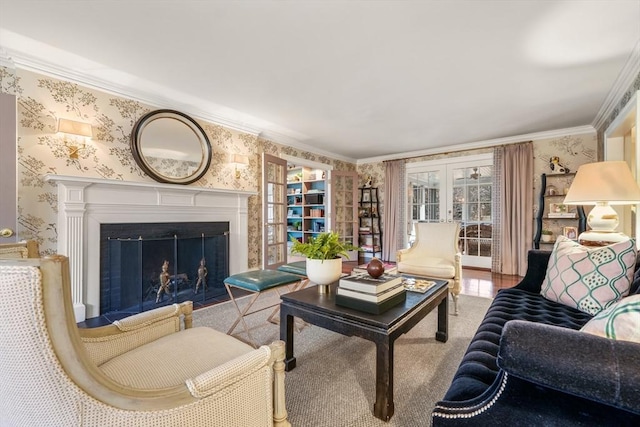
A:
(375, 268)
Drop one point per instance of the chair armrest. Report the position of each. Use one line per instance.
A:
(400, 253)
(537, 262)
(574, 362)
(248, 365)
(106, 342)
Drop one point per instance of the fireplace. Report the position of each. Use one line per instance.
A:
(84, 204)
(144, 266)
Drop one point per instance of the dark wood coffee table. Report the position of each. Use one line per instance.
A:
(383, 329)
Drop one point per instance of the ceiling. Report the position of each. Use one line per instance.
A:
(358, 79)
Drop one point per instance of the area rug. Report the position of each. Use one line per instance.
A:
(333, 384)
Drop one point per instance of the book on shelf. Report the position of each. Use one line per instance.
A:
(372, 297)
(365, 283)
(562, 215)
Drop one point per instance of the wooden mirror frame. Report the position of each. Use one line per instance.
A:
(168, 169)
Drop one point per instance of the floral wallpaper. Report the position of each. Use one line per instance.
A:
(42, 100)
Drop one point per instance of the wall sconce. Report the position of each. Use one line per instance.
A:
(72, 127)
(239, 161)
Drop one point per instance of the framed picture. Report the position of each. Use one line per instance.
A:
(570, 232)
(366, 196)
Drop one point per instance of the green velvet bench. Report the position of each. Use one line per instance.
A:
(258, 282)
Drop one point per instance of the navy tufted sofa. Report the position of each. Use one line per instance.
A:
(528, 365)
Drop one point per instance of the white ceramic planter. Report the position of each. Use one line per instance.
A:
(324, 272)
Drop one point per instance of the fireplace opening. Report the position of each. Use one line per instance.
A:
(149, 265)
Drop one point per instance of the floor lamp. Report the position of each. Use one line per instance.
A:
(603, 184)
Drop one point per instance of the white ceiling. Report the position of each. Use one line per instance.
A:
(358, 79)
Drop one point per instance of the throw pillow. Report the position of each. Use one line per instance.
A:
(621, 321)
(589, 279)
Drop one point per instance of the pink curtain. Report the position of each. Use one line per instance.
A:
(394, 190)
(513, 169)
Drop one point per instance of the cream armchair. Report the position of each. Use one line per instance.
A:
(435, 254)
(25, 249)
(140, 371)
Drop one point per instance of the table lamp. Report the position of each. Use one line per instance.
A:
(603, 184)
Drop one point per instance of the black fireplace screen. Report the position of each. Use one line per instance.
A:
(164, 264)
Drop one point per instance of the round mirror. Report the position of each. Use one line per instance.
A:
(171, 147)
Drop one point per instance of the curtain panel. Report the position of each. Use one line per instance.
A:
(513, 202)
(394, 207)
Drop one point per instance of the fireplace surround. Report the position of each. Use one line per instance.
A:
(86, 203)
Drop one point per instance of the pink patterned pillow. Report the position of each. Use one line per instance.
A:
(621, 321)
(586, 278)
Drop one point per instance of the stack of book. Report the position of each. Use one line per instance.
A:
(363, 292)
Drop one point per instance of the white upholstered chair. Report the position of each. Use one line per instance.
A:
(144, 370)
(435, 253)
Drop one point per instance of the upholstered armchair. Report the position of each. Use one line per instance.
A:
(435, 254)
(144, 370)
(26, 249)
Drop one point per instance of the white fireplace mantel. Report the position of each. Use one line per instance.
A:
(85, 203)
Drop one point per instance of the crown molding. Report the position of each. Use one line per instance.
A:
(28, 62)
(294, 143)
(579, 130)
(625, 79)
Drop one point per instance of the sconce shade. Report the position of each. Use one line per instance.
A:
(610, 182)
(74, 128)
(239, 159)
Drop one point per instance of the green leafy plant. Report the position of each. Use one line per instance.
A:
(547, 232)
(323, 246)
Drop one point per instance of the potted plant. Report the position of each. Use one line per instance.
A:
(324, 254)
(547, 235)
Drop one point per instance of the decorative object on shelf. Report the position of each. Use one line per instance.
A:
(552, 191)
(369, 182)
(603, 184)
(324, 254)
(72, 127)
(547, 236)
(556, 166)
(375, 268)
(570, 232)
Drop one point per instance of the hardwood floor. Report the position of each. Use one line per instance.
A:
(479, 283)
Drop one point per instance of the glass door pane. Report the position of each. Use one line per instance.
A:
(274, 238)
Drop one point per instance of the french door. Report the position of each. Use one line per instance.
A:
(274, 213)
(457, 190)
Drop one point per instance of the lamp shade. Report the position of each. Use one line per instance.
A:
(74, 128)
(610, 182)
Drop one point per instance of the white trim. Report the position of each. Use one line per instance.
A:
(578, 130)
(621, 117)
(626, 77)
(448, 161)
(305, 162)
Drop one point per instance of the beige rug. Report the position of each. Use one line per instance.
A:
(334, 382)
